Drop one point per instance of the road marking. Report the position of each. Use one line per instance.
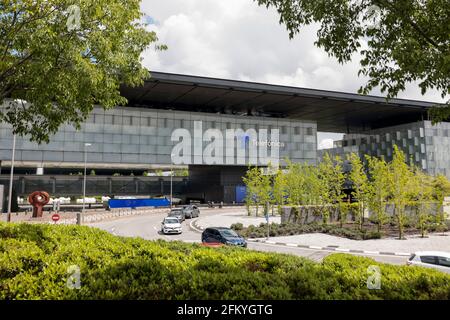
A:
(315, 247)
(342, 250)
(372, 252)
(291, 244)
(402, 254)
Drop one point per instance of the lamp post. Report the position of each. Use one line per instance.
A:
(171, 179)
(11, 178)
(81, 214)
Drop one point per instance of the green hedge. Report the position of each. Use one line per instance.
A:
(34, 260)
(289, 229)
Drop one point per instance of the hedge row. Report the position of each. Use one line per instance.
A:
(289, 229)
(35, 259)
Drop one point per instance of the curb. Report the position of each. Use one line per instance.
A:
(331, 248)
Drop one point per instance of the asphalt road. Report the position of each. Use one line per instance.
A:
(149, 226)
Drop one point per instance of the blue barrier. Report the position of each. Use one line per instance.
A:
(135, 203)
(241, 192)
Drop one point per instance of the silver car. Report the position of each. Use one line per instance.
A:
(431, 259)
(177, 213)
(191, 211)
(171, 225)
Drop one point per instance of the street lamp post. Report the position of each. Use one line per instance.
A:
(171, 179)
(11, 179)
(81, 214)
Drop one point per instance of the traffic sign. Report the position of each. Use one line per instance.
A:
(55, 217)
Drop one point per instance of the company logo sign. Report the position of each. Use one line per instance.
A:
(228, 147)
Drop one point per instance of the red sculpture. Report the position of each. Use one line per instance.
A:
(38, 200)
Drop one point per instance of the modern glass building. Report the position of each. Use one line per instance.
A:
(215, 128)
(425, 145)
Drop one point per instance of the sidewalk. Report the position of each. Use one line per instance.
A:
(319, 241)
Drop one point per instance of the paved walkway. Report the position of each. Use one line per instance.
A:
(229, 217)
(390, 246)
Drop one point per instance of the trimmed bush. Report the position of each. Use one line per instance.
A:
(34, 263)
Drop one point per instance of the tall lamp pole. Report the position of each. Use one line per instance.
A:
(171, 178)
(11, 179)
(80, 215)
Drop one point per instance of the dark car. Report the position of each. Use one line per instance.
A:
(223, 235)
(178, 213)
(191, 211)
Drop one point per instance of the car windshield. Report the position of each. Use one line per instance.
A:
(171, 221)
(228, 233)
(175, 212)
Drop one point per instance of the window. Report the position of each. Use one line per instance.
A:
(283, 130)
(126, 120)
(296, 130)
(443, 261)
(428, 259)
(309, 131)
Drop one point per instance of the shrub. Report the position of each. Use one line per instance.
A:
(237, 226)
(34, 262)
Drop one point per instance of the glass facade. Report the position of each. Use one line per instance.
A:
(140, 136)
(426, 145)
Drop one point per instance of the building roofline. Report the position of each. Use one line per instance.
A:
(241, 85)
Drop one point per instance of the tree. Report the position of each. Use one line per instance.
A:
(264, 191)
(251, 181)
(441, 189)
(422, 188)
(331, 173)
(59, 58)
(279, 189)
(400, 179)
(360, 188)
(400, 41)
(294, 184)
(378, 191)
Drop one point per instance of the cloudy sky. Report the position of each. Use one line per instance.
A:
(237, 39)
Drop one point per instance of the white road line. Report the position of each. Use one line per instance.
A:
(402, 254)
(315, 247)
(342, 250)
(372, 252)
(291, 244)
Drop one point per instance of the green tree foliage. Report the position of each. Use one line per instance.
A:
(251, 181)
(332, 177)
(319, 189)
(360, 187)
(64, 56)
(378, 190)
(181, 173)
(279, 189)
(441, 189)
(422, 190)
(400, 184)
(400, 41)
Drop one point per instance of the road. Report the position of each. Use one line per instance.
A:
(148, 227)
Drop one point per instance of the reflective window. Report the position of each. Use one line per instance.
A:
(428, 259)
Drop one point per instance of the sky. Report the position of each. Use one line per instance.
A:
(239, 40)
